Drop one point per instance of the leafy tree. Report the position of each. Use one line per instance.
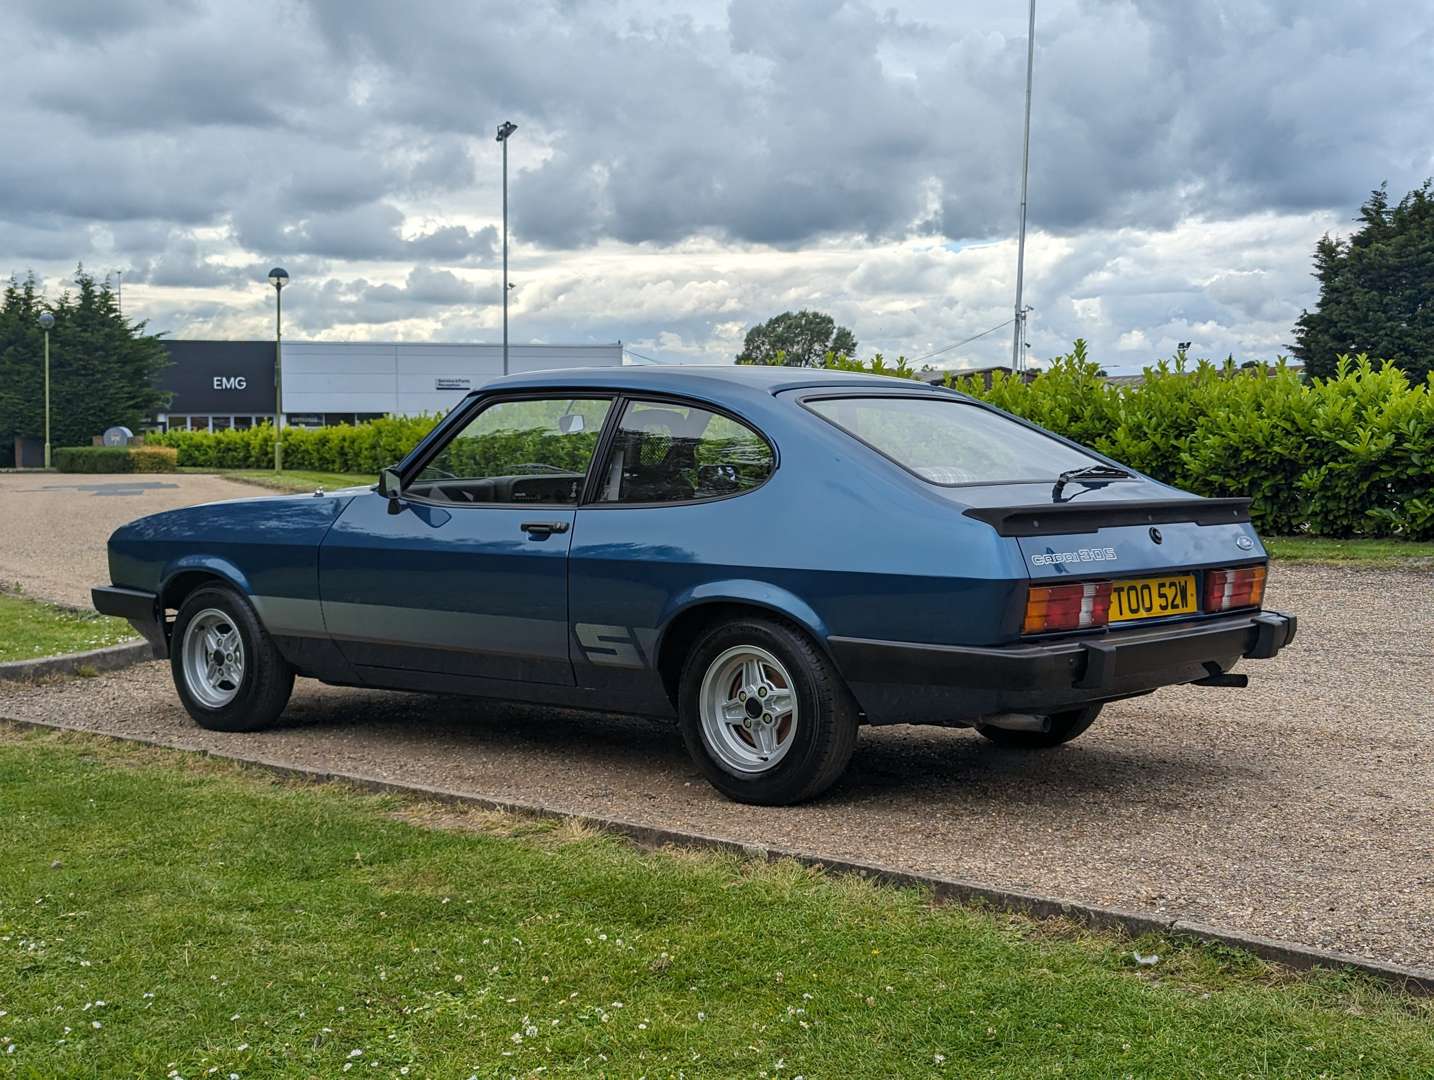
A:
(796, 339)
(103, 367)
(1376, 289)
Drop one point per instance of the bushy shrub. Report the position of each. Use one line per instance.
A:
(1351, 455)
(115, 459)
(361, 448)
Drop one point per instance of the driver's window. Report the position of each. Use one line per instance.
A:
(535, 450)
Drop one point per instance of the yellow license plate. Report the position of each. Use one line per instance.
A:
(1153, 598)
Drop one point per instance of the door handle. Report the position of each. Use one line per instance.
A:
(544, 528)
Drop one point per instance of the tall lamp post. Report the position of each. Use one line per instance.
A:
(278, 277)
(506, 128)
(46, 322)
(1018, 357)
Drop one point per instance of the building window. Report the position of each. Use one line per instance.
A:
(221, 423)
(243, 423)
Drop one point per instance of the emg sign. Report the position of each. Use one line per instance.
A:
(230, 382)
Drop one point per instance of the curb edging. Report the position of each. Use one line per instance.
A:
(1286, 953)
(110, 658)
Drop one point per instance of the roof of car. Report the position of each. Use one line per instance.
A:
(678, 377)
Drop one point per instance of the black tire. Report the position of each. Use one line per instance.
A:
(1064, 727)
(267, 679)
(827, 716)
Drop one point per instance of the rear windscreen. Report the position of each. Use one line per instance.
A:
(952, 442)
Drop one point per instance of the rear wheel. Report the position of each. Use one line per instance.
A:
(229, 674)
(1063, 727)
(764, 714)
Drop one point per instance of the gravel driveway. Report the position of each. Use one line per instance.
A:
(54, 525)
(1301, 808)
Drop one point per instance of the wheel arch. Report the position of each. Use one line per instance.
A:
(192, 572)
(690, 615)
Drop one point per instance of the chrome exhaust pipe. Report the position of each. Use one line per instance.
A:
(1015, 721)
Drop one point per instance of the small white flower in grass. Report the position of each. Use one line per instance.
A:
(355, 1053)
(233, 1076)
(403, 1071)
(641, 1027)
(702, 1016)
(147, 994)
(348, 1065)
(458, 978)
(242, 1047)
(940, 1059)
(234, 1017)
(531, 1030)
(96, 1024)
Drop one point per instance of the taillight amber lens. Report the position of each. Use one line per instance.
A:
(1066, 607)
(1226, 590)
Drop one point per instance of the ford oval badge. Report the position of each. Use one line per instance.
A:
(1244, 543)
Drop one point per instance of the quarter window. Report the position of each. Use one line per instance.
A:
(663, 452)
(535, 450)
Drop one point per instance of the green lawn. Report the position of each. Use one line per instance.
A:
(29, 628)
(1354, 552)
(165, 914)
(296, 480)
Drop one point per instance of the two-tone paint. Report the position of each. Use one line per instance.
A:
(902, 581)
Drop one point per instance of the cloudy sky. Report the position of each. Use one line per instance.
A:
(683, 169)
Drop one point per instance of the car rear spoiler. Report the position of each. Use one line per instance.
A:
(1051, 518)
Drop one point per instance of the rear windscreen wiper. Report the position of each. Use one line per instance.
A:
(1090, 472)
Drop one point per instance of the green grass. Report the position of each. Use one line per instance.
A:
(163, 912)
(1353, 552)
(29, 628)
(292, 480)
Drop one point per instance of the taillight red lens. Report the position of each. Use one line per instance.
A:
(1066, 607)
(1226, 590)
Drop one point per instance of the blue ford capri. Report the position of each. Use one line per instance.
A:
(770, 556)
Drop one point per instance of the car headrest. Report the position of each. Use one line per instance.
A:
(652, 420)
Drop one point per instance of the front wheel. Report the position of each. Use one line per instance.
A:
(1063, 727)
(764, 714)
(229, 674)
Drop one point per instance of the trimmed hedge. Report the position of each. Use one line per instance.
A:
(116, 459)
(1351, 455)
(362, 448)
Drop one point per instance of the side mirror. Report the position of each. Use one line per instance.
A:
(389, 484)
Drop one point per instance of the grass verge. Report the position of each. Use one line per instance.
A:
(164, 912)
(30, 629)
(290, 480)
(1352, 552)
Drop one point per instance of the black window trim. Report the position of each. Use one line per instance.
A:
(467, 412)
(590, 499)
(956, 399)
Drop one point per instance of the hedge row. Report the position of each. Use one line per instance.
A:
(116, 459)
(1351, 455)
(364, 448)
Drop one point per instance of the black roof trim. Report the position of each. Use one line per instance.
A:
(1053, 518)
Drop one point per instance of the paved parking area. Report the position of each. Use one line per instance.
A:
(1301, 808)
(53, 526)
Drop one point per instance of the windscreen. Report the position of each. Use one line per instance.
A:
(952, 442)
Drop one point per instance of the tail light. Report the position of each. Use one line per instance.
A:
(1066, 607)
(1226, 590)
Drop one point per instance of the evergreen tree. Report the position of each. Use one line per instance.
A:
(103, 367)
(1376, 288)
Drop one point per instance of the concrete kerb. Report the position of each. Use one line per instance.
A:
(112, 658)
(1134, 924)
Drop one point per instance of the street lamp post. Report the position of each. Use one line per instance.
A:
(46, 322)
(278, 277)
(506, 128)
(1018, 358)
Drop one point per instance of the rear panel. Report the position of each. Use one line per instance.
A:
(1127, 550)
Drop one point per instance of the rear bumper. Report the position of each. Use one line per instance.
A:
(903, 682)
(140, 608)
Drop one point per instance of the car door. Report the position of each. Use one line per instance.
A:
(466, 572)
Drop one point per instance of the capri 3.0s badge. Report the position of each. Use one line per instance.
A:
(1080, 555)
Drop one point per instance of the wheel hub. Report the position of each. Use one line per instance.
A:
(748, 710)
